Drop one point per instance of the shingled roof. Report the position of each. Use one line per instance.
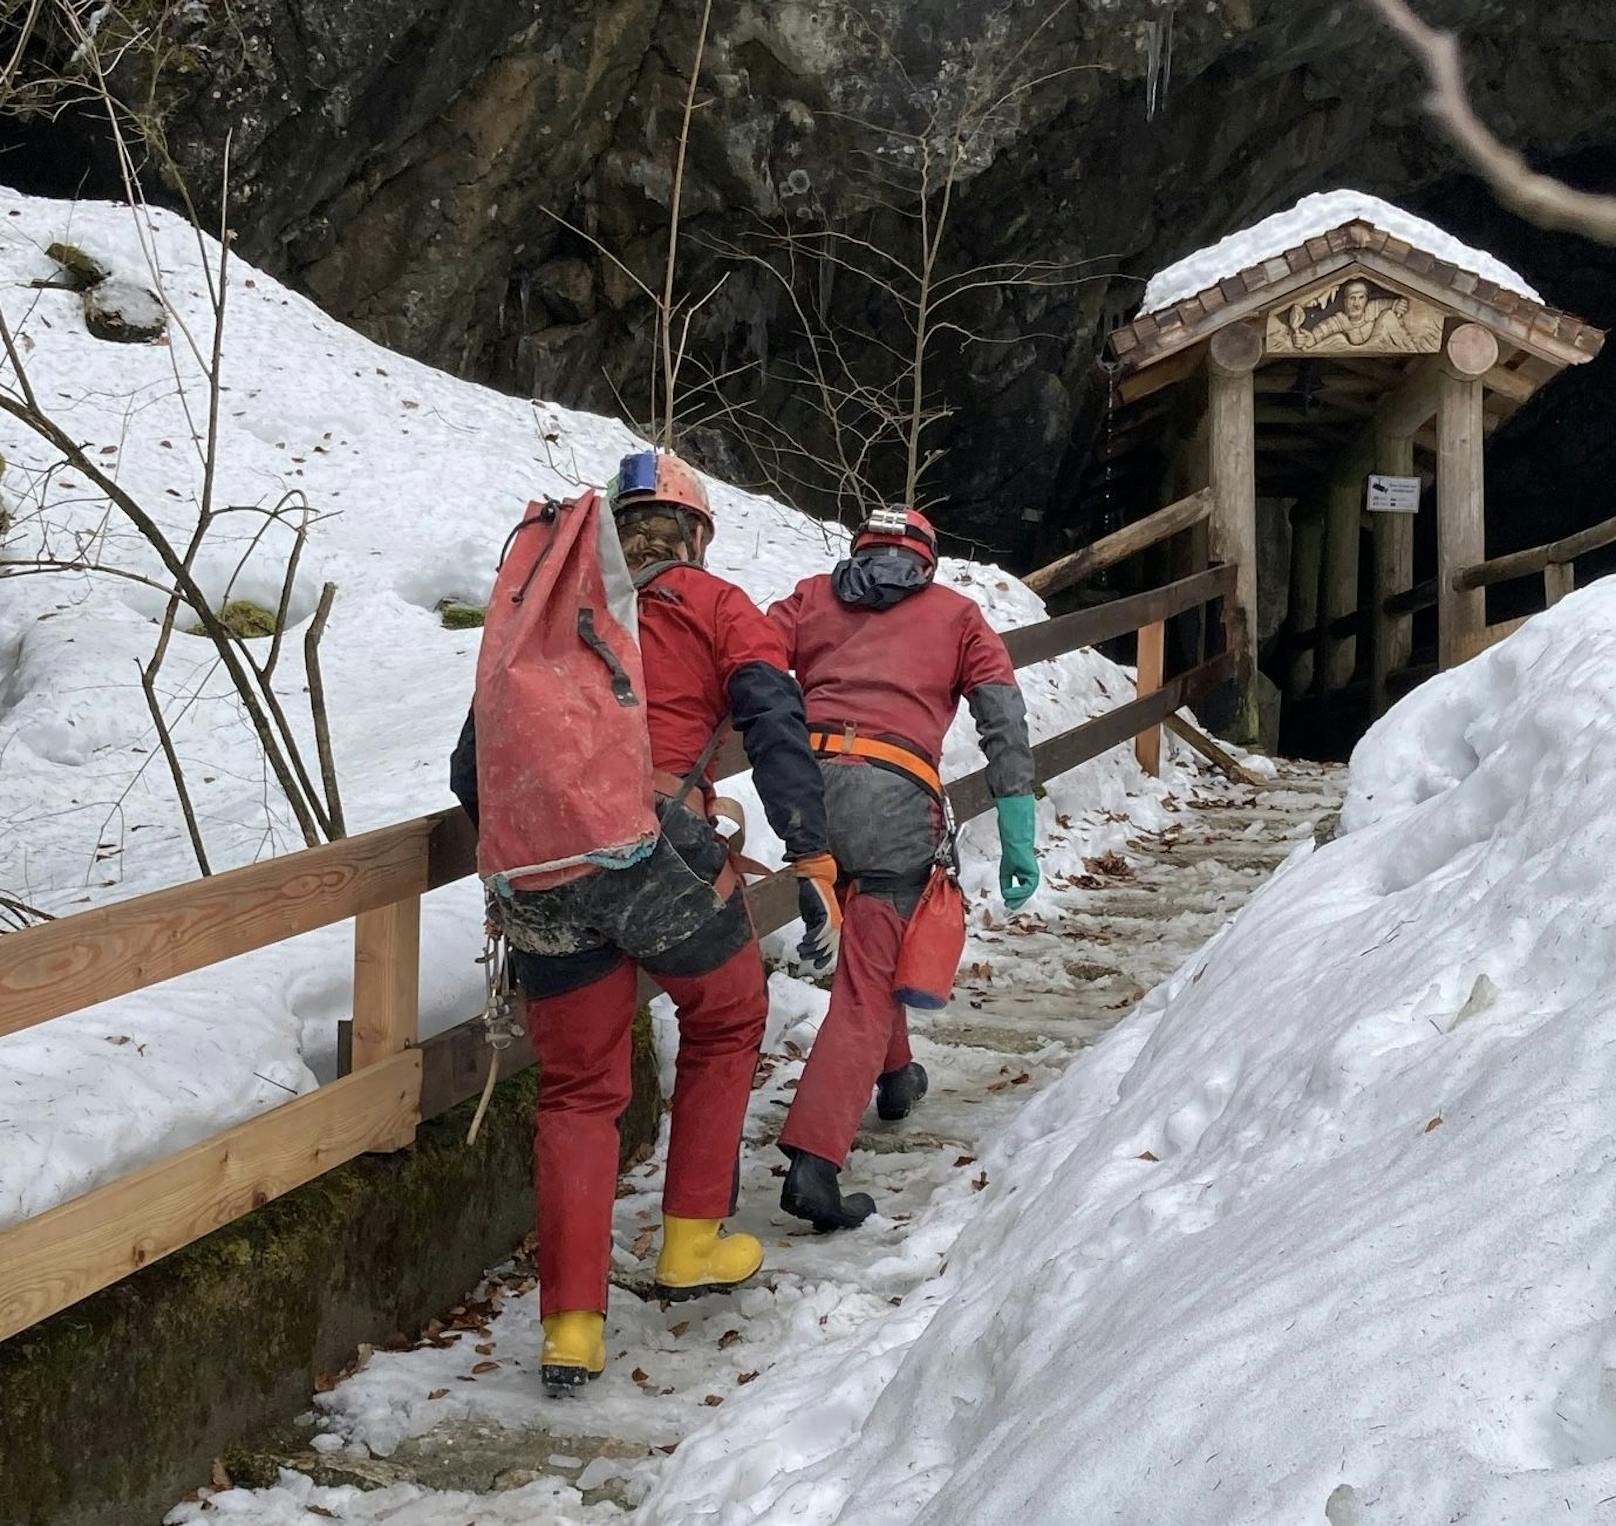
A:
(1553, 336)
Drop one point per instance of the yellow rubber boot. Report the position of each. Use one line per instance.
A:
(697, 1257)
(574, 1350)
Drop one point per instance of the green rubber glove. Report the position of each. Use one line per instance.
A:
(1018, 830)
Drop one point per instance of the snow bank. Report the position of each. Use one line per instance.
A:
(1322, 1233)
(420, 476)
(1311, 216)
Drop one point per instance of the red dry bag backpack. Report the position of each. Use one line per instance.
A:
(563, 745)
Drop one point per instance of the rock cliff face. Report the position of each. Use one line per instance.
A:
(486, 184)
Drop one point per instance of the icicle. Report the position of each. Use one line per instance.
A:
(524, 289)
(1158, 62)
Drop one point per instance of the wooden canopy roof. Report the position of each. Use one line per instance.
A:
(1357, 247)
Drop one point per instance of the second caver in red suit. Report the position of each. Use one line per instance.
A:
(884, 657)
(710, 658)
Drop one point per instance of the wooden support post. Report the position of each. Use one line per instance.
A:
(1152, 643)
(1307, 551)
(1234, 353)
(1394, 573)
(1461, 531)
(1559, 579)
(1339, 595)
(387, 982)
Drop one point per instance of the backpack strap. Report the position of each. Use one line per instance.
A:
(651, 571)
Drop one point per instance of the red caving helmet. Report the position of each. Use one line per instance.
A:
(899, 526)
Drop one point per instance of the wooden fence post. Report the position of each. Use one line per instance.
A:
(1559, 579)
(387, 985)
(1147, 745)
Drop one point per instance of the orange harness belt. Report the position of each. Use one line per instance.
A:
(832, 743)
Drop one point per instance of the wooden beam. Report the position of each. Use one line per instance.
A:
(1233, 356)
(1420, 596)
(66, 965)
(1152, 645)
(1212, 752)
(1517, 564)
(1511, 384)
(387, 985)
(1461, 516)
(50, 1262)
(1166, 372)
(1392, 635)
(1120, 545)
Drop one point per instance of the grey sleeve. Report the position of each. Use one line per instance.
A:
(1000, 714)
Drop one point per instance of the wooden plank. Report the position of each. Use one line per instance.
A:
(387, 988)
(1152, 649)
(1117, 617)
(1520, 564)
(1212, 752)
(1461, 516)
(1559, 579)
(50, 1262)
(1162, 372)
(64, 966)
(1121, 544)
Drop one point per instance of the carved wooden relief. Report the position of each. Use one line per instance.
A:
(1356, 316)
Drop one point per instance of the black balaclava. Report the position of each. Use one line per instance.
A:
(880, 576)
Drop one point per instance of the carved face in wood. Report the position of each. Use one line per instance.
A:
(1355, 317)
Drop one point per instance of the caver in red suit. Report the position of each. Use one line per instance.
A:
(884, 657)
(710, 659)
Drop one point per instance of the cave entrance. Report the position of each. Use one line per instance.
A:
(1332, 375)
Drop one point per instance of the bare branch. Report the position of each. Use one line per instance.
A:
(1539, 198)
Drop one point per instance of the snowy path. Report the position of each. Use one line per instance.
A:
(428, 1441)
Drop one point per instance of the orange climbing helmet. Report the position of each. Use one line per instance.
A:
(899, 526)
(649, 479)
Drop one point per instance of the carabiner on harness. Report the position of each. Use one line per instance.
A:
(501, 1025)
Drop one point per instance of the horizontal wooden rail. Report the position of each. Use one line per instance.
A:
(74, 962)
(49, 1262)
(1121, 544)
(1520, 564)
(1412, 600)
(1118, 617)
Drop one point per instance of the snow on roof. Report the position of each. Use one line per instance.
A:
(1310, 217)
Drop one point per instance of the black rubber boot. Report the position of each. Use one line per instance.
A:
(811, 1193)
(898, 1090)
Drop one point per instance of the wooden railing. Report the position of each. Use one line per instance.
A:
(378, 878)
(1556, 561)
(1121, 544)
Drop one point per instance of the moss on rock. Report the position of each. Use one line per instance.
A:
(461, 617)
(242, 617)
(121, 1402)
